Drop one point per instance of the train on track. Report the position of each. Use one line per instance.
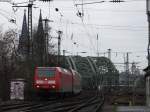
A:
(57, 80)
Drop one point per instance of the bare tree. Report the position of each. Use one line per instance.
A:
(7, 60)
(11, 64)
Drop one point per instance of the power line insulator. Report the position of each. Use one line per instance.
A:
(117, 1)
(46, 0)
(56, 9)
(80, 14)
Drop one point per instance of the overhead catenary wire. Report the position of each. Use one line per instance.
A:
(90, 39)
(87, 32)
(90, 3)
(115, 27)
(134, 0)
(93, 31)
(68, 8)
(98, 2)
(111, 27)
(82, 14)
(16, 3)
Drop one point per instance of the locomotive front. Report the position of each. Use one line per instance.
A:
(45, 79)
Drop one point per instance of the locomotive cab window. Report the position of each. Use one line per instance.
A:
(45, 73)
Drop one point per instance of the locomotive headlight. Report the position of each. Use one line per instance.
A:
(39, 82)
(53, 86)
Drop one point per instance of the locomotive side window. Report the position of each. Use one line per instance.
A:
(45, 73)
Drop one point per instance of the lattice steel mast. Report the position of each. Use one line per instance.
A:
(30, 4)
(30, 26)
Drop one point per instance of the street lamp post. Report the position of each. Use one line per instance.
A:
(148, 16)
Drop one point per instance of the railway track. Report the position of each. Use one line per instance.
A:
(17, 105)
(85, 102)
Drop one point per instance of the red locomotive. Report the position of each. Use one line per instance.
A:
(57, 80)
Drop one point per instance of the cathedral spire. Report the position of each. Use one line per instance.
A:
(23, 46)
(24, 25)
(39, 42)
(40, 24)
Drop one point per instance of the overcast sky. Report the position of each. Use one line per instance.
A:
(121, 27)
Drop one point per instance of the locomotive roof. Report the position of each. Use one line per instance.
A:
(47, 67)
(61, 69)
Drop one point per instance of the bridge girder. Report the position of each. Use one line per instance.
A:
(95, 70)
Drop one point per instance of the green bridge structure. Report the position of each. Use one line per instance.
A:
(95, 71)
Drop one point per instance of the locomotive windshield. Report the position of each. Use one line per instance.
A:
(45, 72)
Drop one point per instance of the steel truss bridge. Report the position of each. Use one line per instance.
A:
(95, 71)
